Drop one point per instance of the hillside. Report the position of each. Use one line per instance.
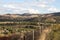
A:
(51, 17)
(41, 26)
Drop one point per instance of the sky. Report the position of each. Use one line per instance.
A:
(29, 6)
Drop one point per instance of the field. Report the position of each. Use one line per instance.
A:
(42, 27)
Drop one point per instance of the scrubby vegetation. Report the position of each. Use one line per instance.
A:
(55, 33)
(30, 27)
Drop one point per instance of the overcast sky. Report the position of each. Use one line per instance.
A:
(30, 6)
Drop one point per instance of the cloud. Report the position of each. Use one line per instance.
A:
(53, 9)
(48, 0)
(52, 0)
(30, 10)
(33, 11)
(9, 6)
(12, 8)
(42, 5)
(31, 6)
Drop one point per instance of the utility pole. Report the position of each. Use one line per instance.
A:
(33, 34)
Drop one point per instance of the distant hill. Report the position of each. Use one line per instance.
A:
(31, 17)
(56, 14)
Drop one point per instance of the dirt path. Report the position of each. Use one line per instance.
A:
(44, 34)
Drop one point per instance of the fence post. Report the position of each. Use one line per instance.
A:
(33, 34)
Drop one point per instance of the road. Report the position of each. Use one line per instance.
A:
(44, 34)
